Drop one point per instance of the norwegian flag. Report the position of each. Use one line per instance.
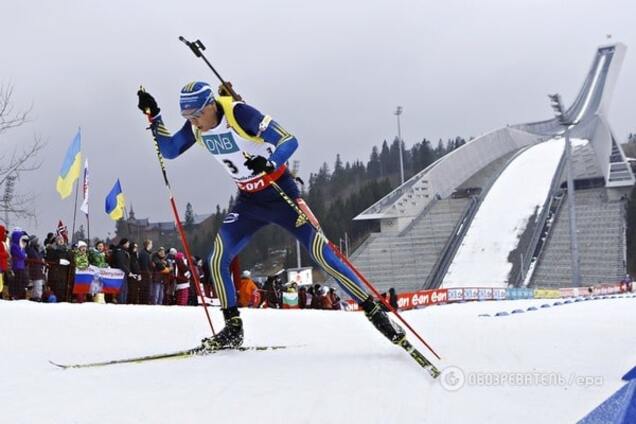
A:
(62, 230)
(84, 207)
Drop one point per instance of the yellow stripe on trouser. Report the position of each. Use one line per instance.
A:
(317, 246)
(1, 284)
(280, 130)
(161, 129)
(215, 269)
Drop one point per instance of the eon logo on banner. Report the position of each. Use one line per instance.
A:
(429, 297)
(404, 302)
(439, 296)
(420, 299)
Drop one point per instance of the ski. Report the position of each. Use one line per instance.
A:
(181, 354)
(419, 358)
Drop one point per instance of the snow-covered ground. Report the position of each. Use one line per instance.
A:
(570, 358)
(482, 258)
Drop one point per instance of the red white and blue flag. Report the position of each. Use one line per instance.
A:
(112, 279)
(83, 280)
(62, 230)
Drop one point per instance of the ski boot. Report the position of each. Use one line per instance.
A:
(378, 317)
(230, 337)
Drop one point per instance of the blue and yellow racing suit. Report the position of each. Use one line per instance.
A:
(243, 132)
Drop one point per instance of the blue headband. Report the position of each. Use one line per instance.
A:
(195, 96)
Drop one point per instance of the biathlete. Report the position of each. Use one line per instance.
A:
(253, 149)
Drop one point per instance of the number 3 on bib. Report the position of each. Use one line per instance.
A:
(231, 166)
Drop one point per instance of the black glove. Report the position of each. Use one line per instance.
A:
(147, 103)
(258, 164)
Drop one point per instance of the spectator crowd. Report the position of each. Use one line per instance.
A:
(274, 293)
(46, 273)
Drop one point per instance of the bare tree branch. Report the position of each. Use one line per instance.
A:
(13, 166)
(21, 162)
(20, 207)
(8, 118)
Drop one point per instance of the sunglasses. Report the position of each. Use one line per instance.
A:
(193, 113)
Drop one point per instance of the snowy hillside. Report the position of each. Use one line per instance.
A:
(339, 370)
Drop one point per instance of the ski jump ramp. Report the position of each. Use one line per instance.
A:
(483, 164)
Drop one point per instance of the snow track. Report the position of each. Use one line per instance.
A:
(344, 372)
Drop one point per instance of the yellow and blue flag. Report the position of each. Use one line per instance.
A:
(115, 202)
(70, 168)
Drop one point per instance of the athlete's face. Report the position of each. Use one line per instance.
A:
(208, 118)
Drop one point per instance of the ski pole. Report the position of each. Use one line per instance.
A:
(186, 247)
(196, 47)
(304, 218)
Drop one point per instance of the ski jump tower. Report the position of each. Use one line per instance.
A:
(423, 221)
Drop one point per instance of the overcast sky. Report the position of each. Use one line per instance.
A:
(331, 72)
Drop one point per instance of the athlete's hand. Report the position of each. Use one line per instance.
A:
(147, 104)
(258, 164)
(227, 90)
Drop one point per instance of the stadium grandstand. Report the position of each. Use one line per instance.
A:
(494, 211)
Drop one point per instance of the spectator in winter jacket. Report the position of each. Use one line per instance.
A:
(302, 297)
(145, 269)
(625, 282)
(272, 293)
(335, 299)
(97, 255)
(80, 256)
(326, 299)
(58, 250)
(206, 279)
(35, 266)
(246, 289)
(310, 297)
(49, 241)
(183, 275)
(316, 300)
(20, 279)
(109, 254)
(393, 299)
(290, 297)
(203, 279)
(170, 285)
(80, 260)
(256, 299)
(121, 260)
(58, 258)
(134, 279)
(160, 276)
(4, 259)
